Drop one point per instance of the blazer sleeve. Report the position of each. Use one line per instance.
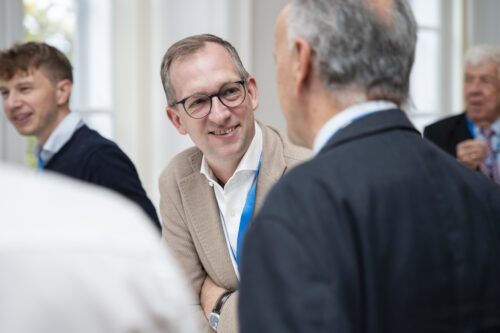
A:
(176, 234)
(111, 168)
(228, 321)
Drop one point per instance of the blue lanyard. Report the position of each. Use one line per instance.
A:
(246, 216)
(40, 164)
(470, 126)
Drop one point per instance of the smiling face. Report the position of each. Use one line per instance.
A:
(482, 93)
(226, 133)
(34, 104)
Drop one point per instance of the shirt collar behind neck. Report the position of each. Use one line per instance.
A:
(347, 116)
(63, 132)
(249, 161)
(477, 129)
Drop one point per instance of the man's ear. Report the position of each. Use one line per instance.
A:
(175, 119)
(302, 63)
(253, 92)
(63, 91)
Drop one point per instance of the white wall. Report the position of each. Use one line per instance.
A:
(12, 145)
(263, 63)
(483, 25)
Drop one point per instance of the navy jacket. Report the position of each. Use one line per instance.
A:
(381, 232)
(448, 132)
(90, 157)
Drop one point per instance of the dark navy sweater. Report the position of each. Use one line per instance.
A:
(90, 157)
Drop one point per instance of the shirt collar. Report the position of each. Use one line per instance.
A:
(347, 116)
(58, 138)
(477, 129)
(249, 161)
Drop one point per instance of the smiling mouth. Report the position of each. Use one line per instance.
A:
(223, 131)
(21, 117)
(475, 104)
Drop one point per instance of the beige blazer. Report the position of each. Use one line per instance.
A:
(191, 222)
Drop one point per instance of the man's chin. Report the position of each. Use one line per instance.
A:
(24, 131)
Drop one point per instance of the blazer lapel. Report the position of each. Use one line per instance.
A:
(201, 208)
(273, 165)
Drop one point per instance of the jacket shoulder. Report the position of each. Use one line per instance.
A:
(182, 165)
(445, 123)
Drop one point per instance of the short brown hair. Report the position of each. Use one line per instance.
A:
(188, 46)
(21, 58)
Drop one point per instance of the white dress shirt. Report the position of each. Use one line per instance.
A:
(347, 116)
(231, 199)
(79, 258)
(58, 138)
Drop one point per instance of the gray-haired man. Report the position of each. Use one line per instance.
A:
(382, 231)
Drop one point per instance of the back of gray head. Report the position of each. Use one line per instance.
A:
(357, 45)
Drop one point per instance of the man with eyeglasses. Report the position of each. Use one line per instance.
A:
(210, 192)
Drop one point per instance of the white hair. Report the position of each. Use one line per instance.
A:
(482, 53)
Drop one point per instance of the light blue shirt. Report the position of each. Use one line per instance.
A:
(495, 140)
(347, 116)
(63, 132)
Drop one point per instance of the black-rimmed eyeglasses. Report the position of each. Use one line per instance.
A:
(198, 106)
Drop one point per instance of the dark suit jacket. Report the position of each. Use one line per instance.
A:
(448, 132)
(381, 232)
(90, 157)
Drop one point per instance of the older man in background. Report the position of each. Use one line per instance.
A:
(473, 137)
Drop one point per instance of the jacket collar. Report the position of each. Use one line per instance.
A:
(371, 124)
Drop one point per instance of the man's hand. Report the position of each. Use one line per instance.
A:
(471, 152)
(209, 294)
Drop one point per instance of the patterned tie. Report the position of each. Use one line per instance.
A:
(489, 167)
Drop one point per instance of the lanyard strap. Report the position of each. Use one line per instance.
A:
(470, 126)
(40, 164)
(246, 216)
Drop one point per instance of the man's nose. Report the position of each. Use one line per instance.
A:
(474, 86)
(219, 111)
(12, 101)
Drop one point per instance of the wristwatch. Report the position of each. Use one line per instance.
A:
(213, 319)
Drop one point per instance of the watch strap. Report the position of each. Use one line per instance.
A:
(220, 301)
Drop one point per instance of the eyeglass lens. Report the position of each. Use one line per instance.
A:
(230, 94)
